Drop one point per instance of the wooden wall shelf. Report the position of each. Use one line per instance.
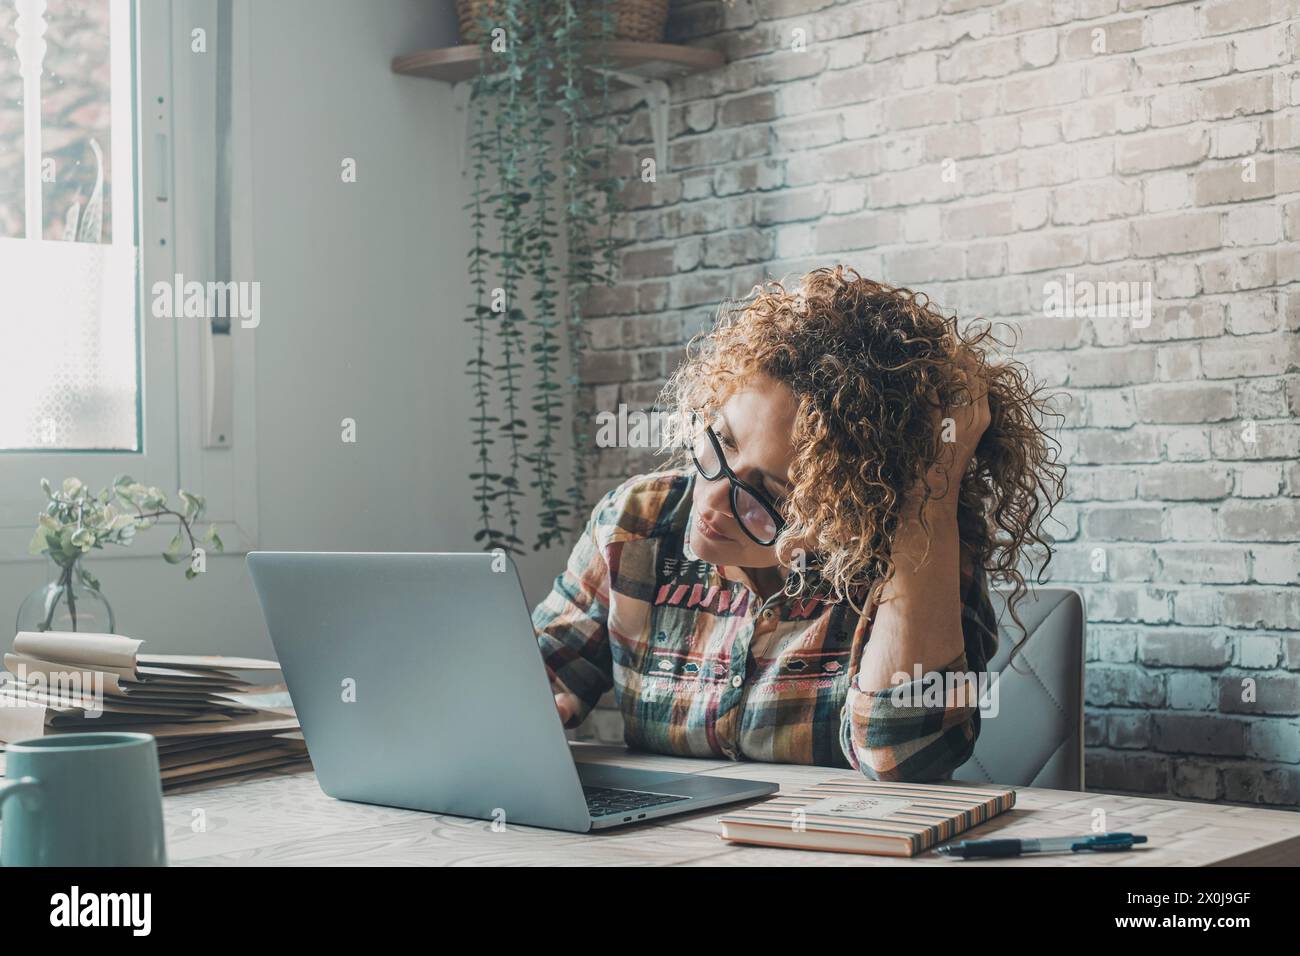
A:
(652, 61)
(646, 67)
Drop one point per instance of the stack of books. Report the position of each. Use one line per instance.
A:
(210, 722)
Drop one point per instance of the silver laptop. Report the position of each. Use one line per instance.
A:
(419, 683)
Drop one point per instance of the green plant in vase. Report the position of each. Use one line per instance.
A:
(76, 521)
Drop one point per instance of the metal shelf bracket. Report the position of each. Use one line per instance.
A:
(654, 93)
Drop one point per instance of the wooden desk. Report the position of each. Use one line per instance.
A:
(285, 819)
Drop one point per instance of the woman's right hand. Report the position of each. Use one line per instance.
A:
(567, 704)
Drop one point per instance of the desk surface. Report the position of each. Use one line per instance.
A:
(285, 819)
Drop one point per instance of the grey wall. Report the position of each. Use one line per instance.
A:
(363, 297)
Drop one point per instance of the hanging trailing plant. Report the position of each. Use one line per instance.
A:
(591, 188)
(536, 58)
(548, 402)
(486, 481)
(510, 200)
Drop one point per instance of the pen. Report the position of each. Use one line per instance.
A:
(1100, 843)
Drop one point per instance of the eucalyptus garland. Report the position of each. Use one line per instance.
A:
(582, 163)
(511, 117)
(534, 46)
(548, 403)
(480, 369)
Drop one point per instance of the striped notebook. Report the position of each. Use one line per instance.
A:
(867, 816)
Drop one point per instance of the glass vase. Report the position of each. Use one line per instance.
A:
(69, 602)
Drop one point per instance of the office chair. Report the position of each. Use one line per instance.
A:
(1036, 739)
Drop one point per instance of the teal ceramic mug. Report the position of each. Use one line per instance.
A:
(82, 800)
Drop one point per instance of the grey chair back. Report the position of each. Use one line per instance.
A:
(1036, 739)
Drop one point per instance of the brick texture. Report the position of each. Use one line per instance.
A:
(980, 151)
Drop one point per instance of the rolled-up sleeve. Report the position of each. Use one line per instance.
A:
(571, 623)
(925, 729)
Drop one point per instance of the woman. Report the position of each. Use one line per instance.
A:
(792, 585)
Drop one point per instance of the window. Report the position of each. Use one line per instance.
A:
(102, 102)
(69, 343)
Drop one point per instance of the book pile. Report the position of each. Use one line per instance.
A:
(209, 721)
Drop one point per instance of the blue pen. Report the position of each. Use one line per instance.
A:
(1100, 843)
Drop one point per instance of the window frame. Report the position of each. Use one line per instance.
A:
(175, 381)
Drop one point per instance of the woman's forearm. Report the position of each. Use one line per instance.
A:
(919, 617)
(919, 620)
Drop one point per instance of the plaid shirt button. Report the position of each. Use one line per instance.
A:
(737, 681)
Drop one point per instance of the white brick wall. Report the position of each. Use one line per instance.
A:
(978, 150)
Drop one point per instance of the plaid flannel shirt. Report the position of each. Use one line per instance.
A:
(702, 667)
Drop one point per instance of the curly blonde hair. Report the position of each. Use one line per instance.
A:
(867, 363)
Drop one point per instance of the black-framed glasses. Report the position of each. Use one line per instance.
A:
(755, 514)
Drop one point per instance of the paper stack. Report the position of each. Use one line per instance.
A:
(210, 723)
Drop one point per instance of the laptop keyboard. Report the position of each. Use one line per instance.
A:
(607, 801)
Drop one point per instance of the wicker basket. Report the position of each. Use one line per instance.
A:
(641, 20)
